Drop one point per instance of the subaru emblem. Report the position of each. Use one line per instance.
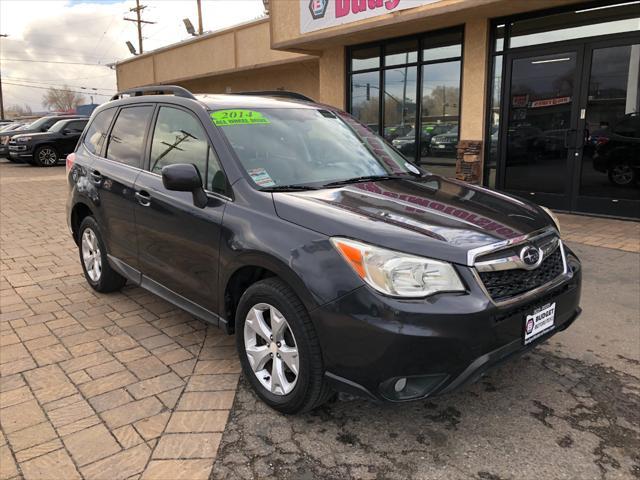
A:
(531, 256)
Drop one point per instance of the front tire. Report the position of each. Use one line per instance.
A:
(622, 174)
(93, 258)
(278, 348)
(46, 156)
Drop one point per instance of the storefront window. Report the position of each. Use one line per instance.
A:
(365, 95)
(428, 64)
(494, 123)
(439, 130)
(399, 101)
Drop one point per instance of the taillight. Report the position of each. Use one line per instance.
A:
(71, 158)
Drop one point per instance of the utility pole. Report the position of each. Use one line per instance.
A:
(199, 17)
(138, 8)
(1, 100)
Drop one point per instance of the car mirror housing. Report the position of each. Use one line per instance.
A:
(185, 177)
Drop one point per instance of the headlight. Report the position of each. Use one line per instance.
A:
(553, 217)
(398, 274)
(23, 139)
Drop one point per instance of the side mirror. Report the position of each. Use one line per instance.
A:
(184, 177)
(66, 131)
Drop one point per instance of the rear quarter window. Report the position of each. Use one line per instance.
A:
(97, 131)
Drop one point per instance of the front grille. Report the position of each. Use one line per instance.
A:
(505, 284)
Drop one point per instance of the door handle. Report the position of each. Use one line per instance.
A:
(143, 198)
(95, 176)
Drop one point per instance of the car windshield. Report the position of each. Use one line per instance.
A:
(38, 123)
(58, 126)
(281, 147)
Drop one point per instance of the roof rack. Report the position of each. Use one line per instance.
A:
(156, 90)
(277, 93)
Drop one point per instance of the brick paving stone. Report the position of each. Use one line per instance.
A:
(21, 416)
(187, 445)
(218, 366)
(8, 467)
(177, 470)
(17, 366)
(42, 467)
(128, 356)
(38, 450)
(200, 421)
(110, 400)
(86, 361)
(31, 436)
(105, 369)
(108, 383)
(62, 402)
(31, 332)
(155, 385)
(152, 427)
(127, 436)
(78, 425)
(92, 444)
(203, 383)
(131, 412)
(206, 400)
(15, 396)
(170, 398)
(11, 353)
(119, 466)
(11, 382)
(70, 413)
(53, 354)
(147, 367)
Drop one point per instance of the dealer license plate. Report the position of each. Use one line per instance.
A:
(539, 322)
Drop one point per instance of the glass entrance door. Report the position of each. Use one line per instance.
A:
(571, 139)
(539, 136)
(608, 175)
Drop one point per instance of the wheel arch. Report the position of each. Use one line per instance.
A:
(78, 213)
(249, 269)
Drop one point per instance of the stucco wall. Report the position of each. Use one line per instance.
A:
(301, 77)
(474, 78)
(242, 48)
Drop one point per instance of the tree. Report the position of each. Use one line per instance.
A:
(61, 99)
(13, 111)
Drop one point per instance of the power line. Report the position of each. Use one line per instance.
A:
(91, 92)
(51, 61)
(63, 84)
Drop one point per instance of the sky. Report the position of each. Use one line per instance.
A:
(83, 36)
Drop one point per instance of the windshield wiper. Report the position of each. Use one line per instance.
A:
(287, 188)
(367, 178)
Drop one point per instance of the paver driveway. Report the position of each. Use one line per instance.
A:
(126, 386)
(96, 386)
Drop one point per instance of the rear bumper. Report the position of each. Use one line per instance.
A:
(369, 341)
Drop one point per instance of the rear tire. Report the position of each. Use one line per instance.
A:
(46, 156)
(93, 258)
(622, 174)
(307, 388)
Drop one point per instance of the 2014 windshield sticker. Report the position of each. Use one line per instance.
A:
(261, 177)
(224, 118)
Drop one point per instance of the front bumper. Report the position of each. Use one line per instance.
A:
(20, 152)
(440, 343)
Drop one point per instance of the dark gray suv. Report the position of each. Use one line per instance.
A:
(338, 264)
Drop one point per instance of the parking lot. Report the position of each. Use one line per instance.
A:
(125, 385)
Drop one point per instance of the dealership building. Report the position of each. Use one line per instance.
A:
(539, 98)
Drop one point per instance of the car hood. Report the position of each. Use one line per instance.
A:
(34, 135)
(432, 216)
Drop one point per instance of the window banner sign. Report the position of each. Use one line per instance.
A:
(319, 14)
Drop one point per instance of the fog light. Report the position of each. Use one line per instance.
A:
(400, 384)
(411, 388)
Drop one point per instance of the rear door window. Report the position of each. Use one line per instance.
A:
(96, 135)
(126, 141)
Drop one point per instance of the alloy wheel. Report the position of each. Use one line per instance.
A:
(622, 174)
(271, 349)
(91, 255)
(47, 156)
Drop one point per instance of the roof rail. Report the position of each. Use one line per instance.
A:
(156, 90)
(277, 93)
